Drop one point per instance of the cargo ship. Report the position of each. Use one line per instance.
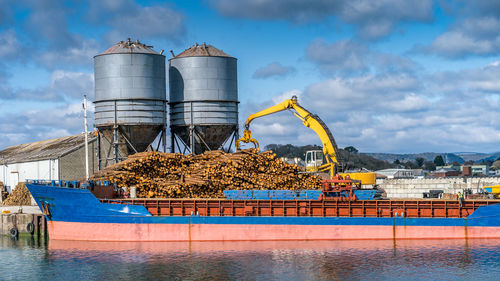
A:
(76, 214)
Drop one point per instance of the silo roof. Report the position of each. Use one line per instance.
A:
(128, 47)
(202, 50)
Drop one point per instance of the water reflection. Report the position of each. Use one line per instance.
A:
(295, 260)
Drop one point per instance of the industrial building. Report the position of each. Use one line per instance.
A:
(400, 173)
(55, 159)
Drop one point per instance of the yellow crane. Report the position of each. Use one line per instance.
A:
(314, 159)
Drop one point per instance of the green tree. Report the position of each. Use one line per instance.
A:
(429, 165)
(420, 161)
(397, 162)
(487, 162)
(438, 160)
(496, 165)
(351, 149)
(410, 165)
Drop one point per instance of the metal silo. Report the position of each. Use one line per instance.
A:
(203, 98)
(130, 100)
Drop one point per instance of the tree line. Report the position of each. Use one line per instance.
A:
(352, 159)
(349, 157)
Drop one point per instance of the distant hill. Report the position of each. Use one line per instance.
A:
(378, 161)
(472, 156)
(460, 157)
(491, 157)
(428, 156)
(349, 160)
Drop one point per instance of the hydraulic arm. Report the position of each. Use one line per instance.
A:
(309, 120)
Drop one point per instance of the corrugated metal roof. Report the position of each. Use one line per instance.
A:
(42, 150)
(129, 47)
(444, 170)
(202, 50)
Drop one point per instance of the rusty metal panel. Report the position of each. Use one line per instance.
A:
(202, 50)
(369, 208)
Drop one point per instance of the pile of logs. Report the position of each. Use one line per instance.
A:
(174, 175)
(3, 193)
(20, 196)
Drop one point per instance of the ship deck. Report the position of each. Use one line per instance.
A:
(420, 208)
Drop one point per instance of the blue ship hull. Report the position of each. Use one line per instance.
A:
(76, 214)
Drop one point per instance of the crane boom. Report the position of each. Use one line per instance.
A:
(309, 120)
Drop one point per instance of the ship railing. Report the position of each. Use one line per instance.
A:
(69, 184)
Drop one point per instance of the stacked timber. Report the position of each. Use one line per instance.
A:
(174, 175)
(20, 196)
(3, 193)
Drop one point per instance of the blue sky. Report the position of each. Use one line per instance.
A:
(386, 76)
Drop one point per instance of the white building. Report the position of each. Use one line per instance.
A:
(478, 169)
(56, 159)
(401, 173)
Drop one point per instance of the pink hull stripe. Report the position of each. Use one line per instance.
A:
(236, 232)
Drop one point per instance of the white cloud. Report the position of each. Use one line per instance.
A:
(81, 53)
(273, 129)
(377, 19)
(151, 22)
(42, 124)
(345, 56)
(72, 84)
(475, 33)
(287, 95)
(126, 18)
(457, 43)
(444, 112)
(350, 58)
(410, 102)
(274, 69)
(9, 45)
(373, 19)
(63, 85)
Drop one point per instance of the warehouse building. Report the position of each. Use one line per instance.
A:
(55, 159)
(400, 173)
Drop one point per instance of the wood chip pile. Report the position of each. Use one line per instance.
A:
(20, 196)
(174, 175)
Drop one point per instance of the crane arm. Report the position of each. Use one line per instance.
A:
(319, 127)
(308, 119)
(247, 134)
(287, 104)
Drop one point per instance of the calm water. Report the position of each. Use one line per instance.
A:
(29, 259)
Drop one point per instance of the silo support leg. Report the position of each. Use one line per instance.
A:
(159, 142)
(128, 141)
(202, 140)
(99, 164)
(115, 143)
(108, 154)
(176, 140)
(191, 139)
(164, 140)
(231, 143)
(172, 142)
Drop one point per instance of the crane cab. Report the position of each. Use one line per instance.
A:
(314, 159)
